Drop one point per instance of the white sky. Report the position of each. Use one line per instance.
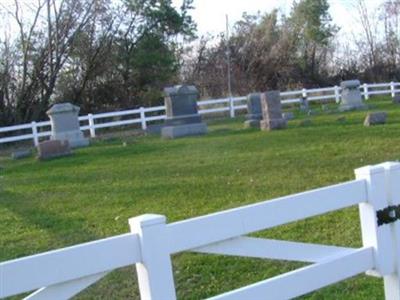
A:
(210, 14)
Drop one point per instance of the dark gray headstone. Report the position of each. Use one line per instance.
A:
(52, 149)
(65, 125)
(254, 111)
(375, 118)
(272, 111)
(181, 100)
(183, 118)
(351, 95)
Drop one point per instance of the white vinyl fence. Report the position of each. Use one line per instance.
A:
(62, 273)
(91, 122)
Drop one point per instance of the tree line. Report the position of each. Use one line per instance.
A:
(303, 49)
(99, 54)
(109, 55)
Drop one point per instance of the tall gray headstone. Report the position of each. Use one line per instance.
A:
(351, 96)
(65, 125)
(254, 112)
(272, 111)
(183, 118)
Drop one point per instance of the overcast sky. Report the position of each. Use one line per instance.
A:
(210, 14)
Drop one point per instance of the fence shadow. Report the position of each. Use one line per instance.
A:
(63, 229)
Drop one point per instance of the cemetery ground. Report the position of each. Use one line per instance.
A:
(91, 195)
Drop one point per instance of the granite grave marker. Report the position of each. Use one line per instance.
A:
(254, 112)
(351, 96)
(272, 111)
(183, 118)
(65, 125)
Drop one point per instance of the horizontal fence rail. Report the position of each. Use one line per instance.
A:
(91, 122)
(61, 274)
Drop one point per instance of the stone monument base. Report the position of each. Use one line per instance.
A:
(252, 124)
(53, 149)
(176, 131)
(273, 124)
(352, 107)
(75, 138)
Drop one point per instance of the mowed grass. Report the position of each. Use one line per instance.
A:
(91, 195)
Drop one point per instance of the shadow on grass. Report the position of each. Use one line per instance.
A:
(64, 228)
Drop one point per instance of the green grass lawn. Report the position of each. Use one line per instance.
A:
(91, 195)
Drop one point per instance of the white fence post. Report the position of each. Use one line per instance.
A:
(366, 95)
(91, 126)
(304, 93)
(143, 118)
(156, 281)
(392, 282)
(392, 89)
(374, 235)
(35, 134)
(231, 107)
(337, 94)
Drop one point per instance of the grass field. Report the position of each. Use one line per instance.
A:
(91, 195)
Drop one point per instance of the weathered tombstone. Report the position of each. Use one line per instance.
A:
(272, 111)
(65, 125)
(351, 96)
(375, 118)
(304, 107)
(396, 99)
(254, 112)
(288, 116)
(21, 153)
(183, 118)
(52, 149)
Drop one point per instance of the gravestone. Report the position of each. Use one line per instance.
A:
(65, 125)
(396, 99)
(272, 111)
(351, 96)
(375, 118)
(52, 149)
(254, 112)
(21, 153)
(183, 118)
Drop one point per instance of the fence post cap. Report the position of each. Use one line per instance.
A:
(369, 170)
(147, 220)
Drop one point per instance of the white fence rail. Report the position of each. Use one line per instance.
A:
(91, 122)
(63, 273)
